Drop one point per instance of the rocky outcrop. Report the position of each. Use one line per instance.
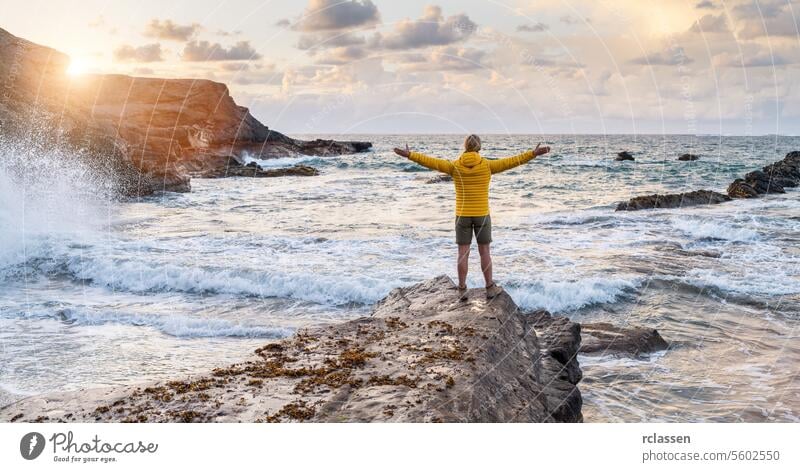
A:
(560, 341)
(155, 132)
(624, 156)
(688, 157)
(439, 179)
(423, 355)
(606, 338)
(773, 178)
(675, 200)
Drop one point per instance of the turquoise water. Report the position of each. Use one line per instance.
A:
(179, 283)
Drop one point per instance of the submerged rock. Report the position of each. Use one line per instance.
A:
(674, 200)
(606, 338)
(423, 355)
(624, 156)
(688, 157)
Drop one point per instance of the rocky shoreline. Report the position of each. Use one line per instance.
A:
(423, 355)
(148, 134)
(773, 178)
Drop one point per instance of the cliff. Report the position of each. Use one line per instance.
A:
(422, 355)
(153, 134)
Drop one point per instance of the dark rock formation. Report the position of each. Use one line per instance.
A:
(606, 338)
(560, 340)
(773, 178)
(741, 189)
(674, 200)
(153, 131)
(688, 157)
(439, 179)
(423, 355)
(624, 156)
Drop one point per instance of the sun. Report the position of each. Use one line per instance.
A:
(77, 66)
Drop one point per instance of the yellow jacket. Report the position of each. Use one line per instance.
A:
(471, 176)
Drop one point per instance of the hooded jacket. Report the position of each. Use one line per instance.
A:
(471, 176)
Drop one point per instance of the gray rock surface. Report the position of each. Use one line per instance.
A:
(423, 355)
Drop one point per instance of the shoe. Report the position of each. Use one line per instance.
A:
(493, 290)
(462, 292)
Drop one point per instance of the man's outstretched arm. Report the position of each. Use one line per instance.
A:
(432, 163)
(500, 165)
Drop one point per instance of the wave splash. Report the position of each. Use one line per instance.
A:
(48, 197)
(173, 325)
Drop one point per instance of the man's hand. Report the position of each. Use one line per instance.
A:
(402, 152)
(541, 150)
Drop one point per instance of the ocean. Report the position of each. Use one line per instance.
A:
(98, 292)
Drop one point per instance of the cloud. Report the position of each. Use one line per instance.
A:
(330, 39)
(328, 15)
(146, 53)
(765, 19)
(674, 56)
(143, 71)
(432, 29)
(533, 28)
(198, 51)
(571, 20)
(449, 58)
(258, 73)
(706, 5)
(762, 58)
(222, 32)
(97, 22)
(170, 31)
(283, 23)
(343, 55)
(710, 24)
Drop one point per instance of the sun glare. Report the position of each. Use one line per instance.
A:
(77, 66)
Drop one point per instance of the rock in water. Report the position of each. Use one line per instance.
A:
(741, 189)
(606, 338)
(688, 157)
(423, 355)
(439, 179)
(150, 133)
(679, 200)
(624, 156)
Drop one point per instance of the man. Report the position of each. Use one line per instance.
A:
(471, 175)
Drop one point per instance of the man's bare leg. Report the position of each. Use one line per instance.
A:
(463, 264)
(486, 263)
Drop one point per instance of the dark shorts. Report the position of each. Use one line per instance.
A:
(480, 225)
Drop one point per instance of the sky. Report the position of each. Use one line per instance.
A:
(392, 67)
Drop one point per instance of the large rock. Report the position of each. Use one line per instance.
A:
(688, 157)
(624, 156)
(675, 200)
(423, 355)
(156, 131)
(606, 338)
(741, 189)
